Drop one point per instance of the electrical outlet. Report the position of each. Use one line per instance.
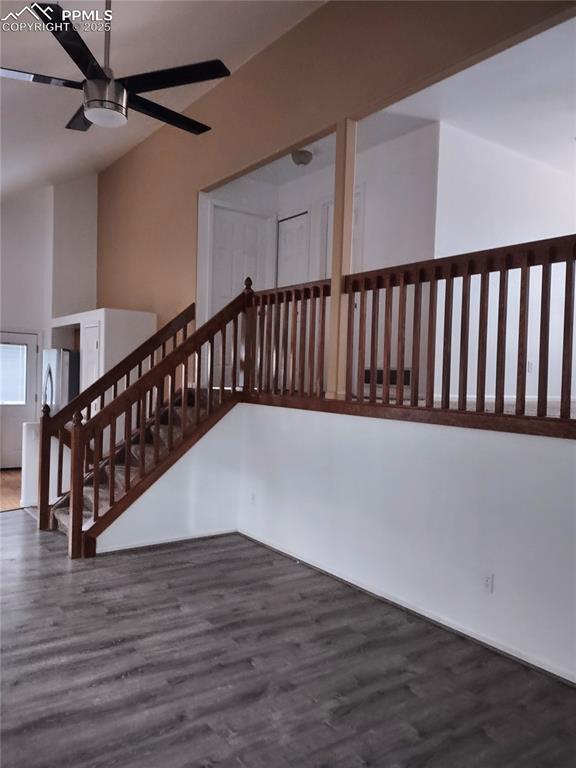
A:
(253, 499)
(488, 583)
(530, 366)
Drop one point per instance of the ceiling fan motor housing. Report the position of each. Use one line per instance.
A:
(105, 102)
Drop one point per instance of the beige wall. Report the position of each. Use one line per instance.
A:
(345, 60)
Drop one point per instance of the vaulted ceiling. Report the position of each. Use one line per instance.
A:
(146, 35)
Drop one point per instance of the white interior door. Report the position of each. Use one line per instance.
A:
(89, 354)
(242, 246)
(18, 392)
(294, 249)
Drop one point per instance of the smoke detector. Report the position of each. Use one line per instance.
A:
(302, 156)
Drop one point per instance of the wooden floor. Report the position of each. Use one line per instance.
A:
(10, 489)
(222, 653)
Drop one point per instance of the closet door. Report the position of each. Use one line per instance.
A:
(294, 250)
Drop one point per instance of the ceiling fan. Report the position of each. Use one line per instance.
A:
(106, 98)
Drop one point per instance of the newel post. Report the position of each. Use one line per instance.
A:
(77, 487)
(248, 346)
(44, 469)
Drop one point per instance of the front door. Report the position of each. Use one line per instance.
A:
(18, 392)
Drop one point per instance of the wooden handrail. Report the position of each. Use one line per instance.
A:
(121, 369)
(432, 385)
(56, 425)
(539, 252)
(138, 411)
(404, 361)
(131, 395)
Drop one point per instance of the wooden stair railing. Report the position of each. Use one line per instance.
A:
(290, 340)
(452, 340)
(136, 437)
(429, 341)
(94, 398)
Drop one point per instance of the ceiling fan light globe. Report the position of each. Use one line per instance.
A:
(106, 116)
(105, 103)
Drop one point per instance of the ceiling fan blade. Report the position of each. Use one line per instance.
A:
(71, 41)
(168, 78)
(79, 121)
(16, 74)
(159, 112)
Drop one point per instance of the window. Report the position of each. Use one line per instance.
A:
(13, 374)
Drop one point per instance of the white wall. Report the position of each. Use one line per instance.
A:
(48, 245)
(489, 196)
(420, 514)
(249, 194)
(400, 199)
(396, 181)
(416, 513)
(26, 263)
(198, 496)
(75, 246)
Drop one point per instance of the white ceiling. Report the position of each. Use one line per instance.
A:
(523, 98)
(146, 35)
(378, 128)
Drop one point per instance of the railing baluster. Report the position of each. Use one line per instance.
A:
(501, 340)
(157, 408)
(127, 448)
(374, 340)
(302, 344)
(210, 402)
(276, 356)
(142, 437)
(222, 362)
(542, 406)
(171, 396)
(112, 463)
(312, 343)
(198, 393)
(464, 337)
(431, 348)
(566, 385)
(447, 346)
(350, 341)
(96, 478)
(416, 326)
(321, 345)
(522, 337)
(401, 350)
(293, 341)
(234, 353)
(285, 323)
(482, 341)
(387, 340)
(184, 399)
(268, 354)
(76, 487)
(361, 362)
(260, 341)
(60, 462)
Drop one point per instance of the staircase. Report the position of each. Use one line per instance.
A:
(141, 457)
(105, 448)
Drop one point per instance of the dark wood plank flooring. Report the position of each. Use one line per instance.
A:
(223, 653)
